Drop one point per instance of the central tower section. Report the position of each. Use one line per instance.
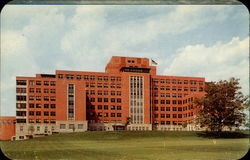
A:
(136, 108)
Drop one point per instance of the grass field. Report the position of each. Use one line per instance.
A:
(126, 146)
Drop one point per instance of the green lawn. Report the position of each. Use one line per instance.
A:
(126, 146)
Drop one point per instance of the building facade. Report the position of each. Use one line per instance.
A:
(128, 95)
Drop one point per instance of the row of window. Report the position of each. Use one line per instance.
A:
(169, 123)
(176, 81)
(6, 121)
(105, 107)
(105, 92)
(33, 82)
(100, 114)
(168, 101)
(89, 77)
(175, 88)
(173, 108)
(38, 105)
(102, 85)
(39, 90)
(71, 126)
(112, 100)
(45, 98)
(190, 114)
(35, 121)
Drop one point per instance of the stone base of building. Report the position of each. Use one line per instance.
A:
(189, 127)
(32, 130)
(140, 127)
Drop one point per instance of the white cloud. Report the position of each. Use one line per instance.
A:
(217, 62)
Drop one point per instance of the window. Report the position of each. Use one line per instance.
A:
(162, 95)
(53, 98)
(155, 101)
(106, 107)
(173, 94)
(162, 101)
(179, 108)
(167, 94)
(38, 105)
(80, 126)
(174, 109)
(46, 90)
(21, 105)
(174, 88)
(21, 128)
(78, 77)
(201, 89)
(38, 98)
(31, 82)
(167, 115)
(21, 98)
(112, 108)
(69, 76)
(38, 113)
(179, 115)
(200, 82)
(86, 77)
(31, 90)
(71, 126)
(46, 83)
(112, 93)
(105, 78)
(179, 95)
(185, 81)
(52, 113)
(92, 77)
(105, 92)
(52, 91)
(192, 82)
(167, 101)
(192, 89)
(185, 88)
(112, 78)
(118, 93)
(31, 113)
(99, 107)
(46, 113)
(62, 126)
(99, 85)
(119, 107)
(92, 92)
(167, 88)
(52, 83)
(46, 106)
(99, 78)
(99, 99)
(31, 105)
(60, 76)
(162, 122)
(174, 102)
(46, 98)
(173, 81)
(21, 82)
(113, 100)
(38, 90)
(112, 114)
(162, 115)
(179, 82)
(167, 122)
(52, 105)
(92, 99)
(174, 116)
(31, 121)
(118, 85)
(119, 115)
(21, 90)
(92, 85)
(99, 114)
(38, 83)
(106, 114)
(106, 100)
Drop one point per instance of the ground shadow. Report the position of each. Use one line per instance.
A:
(224, 134)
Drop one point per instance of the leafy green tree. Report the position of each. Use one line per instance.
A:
(223, 106)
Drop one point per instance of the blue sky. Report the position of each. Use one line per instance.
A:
(210, 41)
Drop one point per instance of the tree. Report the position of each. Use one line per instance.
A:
(128, 120)
(223, 106)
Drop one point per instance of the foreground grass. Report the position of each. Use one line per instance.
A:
(126, 146)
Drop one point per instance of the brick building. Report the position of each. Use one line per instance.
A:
(128, 95)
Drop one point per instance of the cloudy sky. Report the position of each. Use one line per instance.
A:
(206, 41)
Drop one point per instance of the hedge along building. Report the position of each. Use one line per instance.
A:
(128, 95)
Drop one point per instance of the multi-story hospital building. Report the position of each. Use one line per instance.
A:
(129, 95)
